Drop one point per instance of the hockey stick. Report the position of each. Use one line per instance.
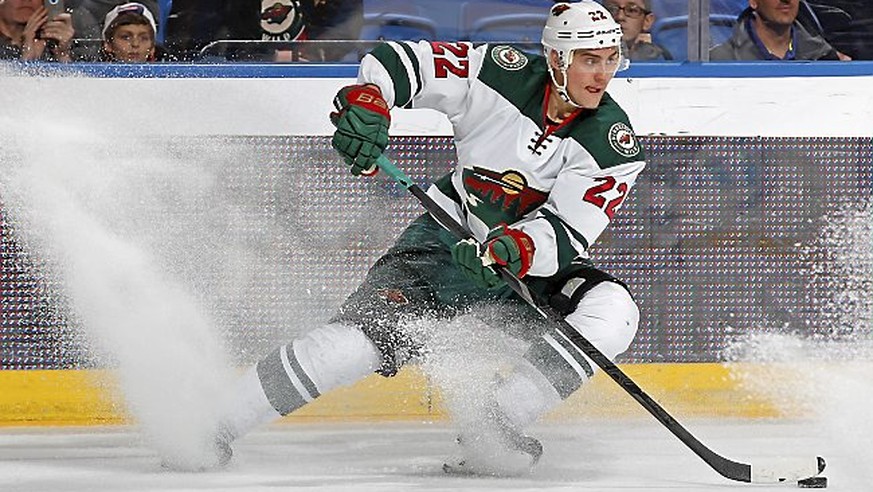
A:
(742, 472)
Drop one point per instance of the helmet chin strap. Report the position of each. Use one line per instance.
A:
(562, 88)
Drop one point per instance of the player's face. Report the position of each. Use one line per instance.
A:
(782, 12)
(131, 43)
(590, 73)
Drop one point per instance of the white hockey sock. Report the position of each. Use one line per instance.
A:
(336, 355)
(525, 395)
(295, 374)
(247, 406)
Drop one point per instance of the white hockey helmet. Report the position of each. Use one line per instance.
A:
(583, 25)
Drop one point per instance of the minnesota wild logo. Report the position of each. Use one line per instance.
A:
(623, 140)
(560, 9)
(497, 197)
(281, 20)
(509, 57)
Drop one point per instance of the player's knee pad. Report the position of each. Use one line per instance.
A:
(607, 316)
(326, 358)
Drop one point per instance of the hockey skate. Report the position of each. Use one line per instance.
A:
(495, 448)
(223, 451)
(216, 454)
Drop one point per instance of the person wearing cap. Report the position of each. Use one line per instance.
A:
(27, 33)
(129, 34)
(545, 160)
(636, 18)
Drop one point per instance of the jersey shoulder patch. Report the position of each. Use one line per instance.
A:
(508, 57)
(608, 136)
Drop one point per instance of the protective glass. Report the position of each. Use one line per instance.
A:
(631, 11)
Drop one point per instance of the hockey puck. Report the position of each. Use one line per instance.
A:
(813, 483)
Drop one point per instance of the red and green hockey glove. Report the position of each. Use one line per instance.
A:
(361, 120)
(509, 248)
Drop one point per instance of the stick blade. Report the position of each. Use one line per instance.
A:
(787, 470)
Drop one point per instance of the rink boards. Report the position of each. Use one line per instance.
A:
(91, 397)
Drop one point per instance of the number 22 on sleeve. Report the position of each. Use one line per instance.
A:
(442, 66)
(595, 195)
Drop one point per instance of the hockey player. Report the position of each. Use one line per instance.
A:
(545, 158)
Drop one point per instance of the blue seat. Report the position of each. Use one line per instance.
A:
(669, 8)
(491, 21)
(674, 8)
(527, 28)
(728, 7)
(397, 27)
(396, 20)
(672, 32)
(164, 8)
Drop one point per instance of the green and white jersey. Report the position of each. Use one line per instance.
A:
(560, 184)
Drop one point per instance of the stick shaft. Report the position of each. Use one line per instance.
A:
(725, 467)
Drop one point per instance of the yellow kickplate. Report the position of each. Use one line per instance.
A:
(91, 397)
(63, 397)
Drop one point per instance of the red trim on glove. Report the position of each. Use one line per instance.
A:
(374, 170)
(525, 246)
(369, 97)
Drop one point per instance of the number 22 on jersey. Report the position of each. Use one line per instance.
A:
(442, 65)
(595, 195)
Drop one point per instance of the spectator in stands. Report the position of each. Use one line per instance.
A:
(329, 20)
(769, 30)
(27, 33)
(196, 24)
(88, 21)
(129, 34)
(88, 15)
(636, 18)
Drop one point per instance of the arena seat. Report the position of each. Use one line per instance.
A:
(390, 26)
(728, 7)
(674, 8)
(492, 21)
(527, 28)
(396, 20)
(672, 32)
(164, 8)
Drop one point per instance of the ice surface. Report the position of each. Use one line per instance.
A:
(585, 455)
